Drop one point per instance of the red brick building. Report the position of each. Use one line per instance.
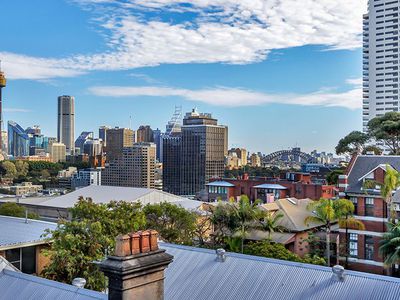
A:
(361, 184)
(294, 185)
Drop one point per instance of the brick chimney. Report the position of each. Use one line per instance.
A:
(136, 270)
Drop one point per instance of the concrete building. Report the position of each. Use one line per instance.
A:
(134, 168)
(26, 188)
(255, 160)
(194, 156)
(85, 177)
(116, 140)
(103, 134)
(58, 152)
(18, 140)
(66, 123)
(380, 59)
(145, 134)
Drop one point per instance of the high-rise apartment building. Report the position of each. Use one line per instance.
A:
(145, 134)
(18, 140)
(57, 152)
(116, 140)
(66, 122)
(195, 156)
(134, 168)
(380, 59)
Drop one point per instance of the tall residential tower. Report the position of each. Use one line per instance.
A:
(380, 59)
(2, 85)
(66, 122)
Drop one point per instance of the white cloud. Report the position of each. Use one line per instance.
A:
(16, 110)
(355, 81)
(222, 31)
(235, 97)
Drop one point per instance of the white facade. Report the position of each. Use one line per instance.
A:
(86, 178)
(380, 59)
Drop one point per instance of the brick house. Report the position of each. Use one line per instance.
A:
(361, 184)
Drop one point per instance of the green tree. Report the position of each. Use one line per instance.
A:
(390, 185)
(88, 237)
(13, 209)
(333, 176)
(390, 245)
(22, 168)
(270, 223)
(372, 148)
(278, 251)
(9, 169)
(174, 223)
(327, 212)
(352, 143)
(45, 174)
(386, 129)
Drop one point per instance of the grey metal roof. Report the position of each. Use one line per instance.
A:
(366, 163)
(14, 285)
(221, 183)
(15, 232)
(270, 186)
(194, 274)
(105, 194)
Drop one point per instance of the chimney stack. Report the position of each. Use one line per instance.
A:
(136, 270)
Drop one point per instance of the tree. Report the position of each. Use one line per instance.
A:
(333, 176)
(22, 168)
(278, 251)
(386, 129)
(270, 223)
(327, 212)
(390, 245)
(354, 142)
(390, 184)
(174, 223)
(372, 148)
(88, 237)
(13, 209)
(9, 169)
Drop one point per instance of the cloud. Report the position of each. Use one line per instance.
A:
(217, 31)
(355, 81)
(236, 97)
(16, 110)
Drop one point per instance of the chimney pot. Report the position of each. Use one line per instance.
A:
(153, 240)
(145, 241)
(135, 243)
(123, 245)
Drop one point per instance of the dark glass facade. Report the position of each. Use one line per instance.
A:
(18, 140)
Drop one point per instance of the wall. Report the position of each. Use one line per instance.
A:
(41, 260)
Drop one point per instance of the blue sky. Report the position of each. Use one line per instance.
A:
(276, 79)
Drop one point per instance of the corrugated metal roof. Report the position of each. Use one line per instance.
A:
(194, 274)
(221, 183)
(270, 186)
(14, 232)
(15, 286)
(105, 194)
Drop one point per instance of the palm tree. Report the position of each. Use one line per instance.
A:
(270, 223)
(327, 212)
(390, 245)
(245, 214)
(391, 183)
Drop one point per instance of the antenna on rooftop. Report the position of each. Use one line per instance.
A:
(130, 122)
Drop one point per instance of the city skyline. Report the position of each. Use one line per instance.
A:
(306, 95)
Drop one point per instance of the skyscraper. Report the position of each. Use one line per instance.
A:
(18, 140)
(380, 59)
(135, 167)
(195, 156)
(2, 85)
(103, 134)
(66, 122)
(145, 134)
(83, 137)
(117, 139)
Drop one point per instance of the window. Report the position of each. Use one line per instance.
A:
(14, 257)
(369, 207)
(353, 244)
(354, 200)
(369, 247)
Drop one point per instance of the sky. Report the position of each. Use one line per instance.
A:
(278, 73)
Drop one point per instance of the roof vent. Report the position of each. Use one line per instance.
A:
(220, 255)
(79, 282)
(338, 272)
(292, 200)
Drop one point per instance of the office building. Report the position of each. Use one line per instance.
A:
(134, 168)
(18, 140)
(86, 177)
(3, 82)
(195, 156)
(103, 134)
(116, 140)
(38, 143)
(157, 137)
(66, 122)
(83, 137)
(93, 147)
(145, 134)
(380, 59)
(58, 152)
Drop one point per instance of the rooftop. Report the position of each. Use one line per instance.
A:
(270, 186)
(16, 233)
(220, 183)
